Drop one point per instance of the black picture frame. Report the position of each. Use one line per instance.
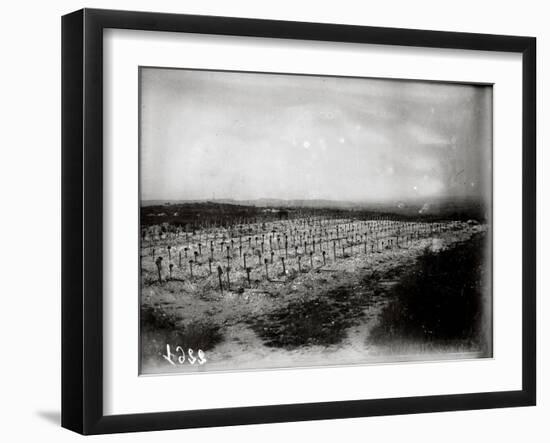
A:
(82, 218)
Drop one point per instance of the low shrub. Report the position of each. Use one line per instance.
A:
(159, 328)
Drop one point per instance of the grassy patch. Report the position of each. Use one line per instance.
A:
(320, 321)
(444, 299)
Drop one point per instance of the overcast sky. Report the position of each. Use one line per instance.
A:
(245, 136)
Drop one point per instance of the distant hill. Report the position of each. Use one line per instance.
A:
(420, 206)
(263, 203)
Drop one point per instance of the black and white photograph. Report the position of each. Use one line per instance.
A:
(275, 221)
(292, 221)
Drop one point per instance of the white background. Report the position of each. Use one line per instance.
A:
(30, 222)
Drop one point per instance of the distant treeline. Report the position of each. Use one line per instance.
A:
(201, 215)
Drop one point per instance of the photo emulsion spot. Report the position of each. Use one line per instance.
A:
(294, 221)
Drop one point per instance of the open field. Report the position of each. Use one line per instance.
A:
(275, 288)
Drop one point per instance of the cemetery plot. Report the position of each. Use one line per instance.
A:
(269, 291)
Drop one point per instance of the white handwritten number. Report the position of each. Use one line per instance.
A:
(168, 355)
(202, 357)
(181, 358)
